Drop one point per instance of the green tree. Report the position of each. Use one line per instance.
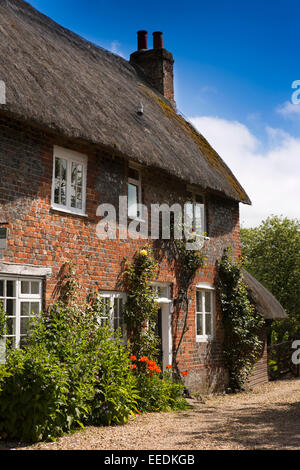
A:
(272, 254)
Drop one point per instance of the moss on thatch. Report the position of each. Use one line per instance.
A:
(64, 83)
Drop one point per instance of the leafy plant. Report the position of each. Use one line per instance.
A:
(141, 310)
(242, 324)
(158, 391)
(72, 371)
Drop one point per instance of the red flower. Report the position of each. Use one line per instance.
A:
(185, 372)
(151, 363)
(144, 359)
(168, 366)
(133, 366)
(133, 358)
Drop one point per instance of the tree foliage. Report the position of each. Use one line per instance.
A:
(272, 254)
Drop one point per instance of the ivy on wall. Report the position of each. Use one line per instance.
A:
(141, 310)
(242, 323)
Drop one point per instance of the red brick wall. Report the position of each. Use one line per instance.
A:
(41, 236)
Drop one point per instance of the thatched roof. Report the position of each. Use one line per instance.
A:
(64, 83)
(264, 301)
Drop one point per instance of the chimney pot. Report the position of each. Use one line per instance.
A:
(142, 40)
(157, 40)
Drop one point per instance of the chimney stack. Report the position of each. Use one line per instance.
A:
(142, 40)
(156, 64)
(158, 40)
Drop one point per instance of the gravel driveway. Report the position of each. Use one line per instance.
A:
(266, 418)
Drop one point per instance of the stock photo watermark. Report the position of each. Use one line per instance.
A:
(167, 222)
(296, 95)
(2, 92)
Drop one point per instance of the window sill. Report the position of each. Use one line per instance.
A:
(68, 211)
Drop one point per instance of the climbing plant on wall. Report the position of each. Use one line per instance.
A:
(242, 323)
(140, 313)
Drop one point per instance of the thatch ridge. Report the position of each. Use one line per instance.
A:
(265, 302)
(63, 82)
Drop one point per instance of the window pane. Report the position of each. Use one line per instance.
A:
(199, 199)
(76, 185)
(199, 325)
(10, 307)
(199, 301)
(134, 174)
(63, 193)
(207, 302)
(24, 325)
(34, 308)
(79, 197)
(132, 200)
(189, 214)
(11, 325)
(208, 327)
(10, 289)
(25, 287)
(25, 308)
(60, 181)
(35, 287)
(1, 288)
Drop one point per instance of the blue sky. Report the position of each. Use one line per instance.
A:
(235, 62)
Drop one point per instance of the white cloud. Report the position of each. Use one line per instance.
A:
(271, 177)
(115, 48)
(289, 110)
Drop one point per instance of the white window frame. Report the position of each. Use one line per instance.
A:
(194, 193)
(71, 157)
(112, 296)
(138, 184)
(203, 288)
(19, 298)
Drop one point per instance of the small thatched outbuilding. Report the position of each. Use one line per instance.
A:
(270, 309)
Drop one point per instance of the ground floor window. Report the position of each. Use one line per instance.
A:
(205, 309)
(21, 299)
(114, 305)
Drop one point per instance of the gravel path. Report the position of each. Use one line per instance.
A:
(266, 418)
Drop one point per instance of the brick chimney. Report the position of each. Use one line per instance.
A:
(156, 64)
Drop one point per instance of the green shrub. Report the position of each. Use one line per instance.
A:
(116, 395)
(71, 372)
(160, 393)
(34, 391)
(157, 391)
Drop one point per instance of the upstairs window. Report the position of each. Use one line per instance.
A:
(134, 193)
(195, 211)
(69, 181)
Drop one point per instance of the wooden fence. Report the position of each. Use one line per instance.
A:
(280, 361)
